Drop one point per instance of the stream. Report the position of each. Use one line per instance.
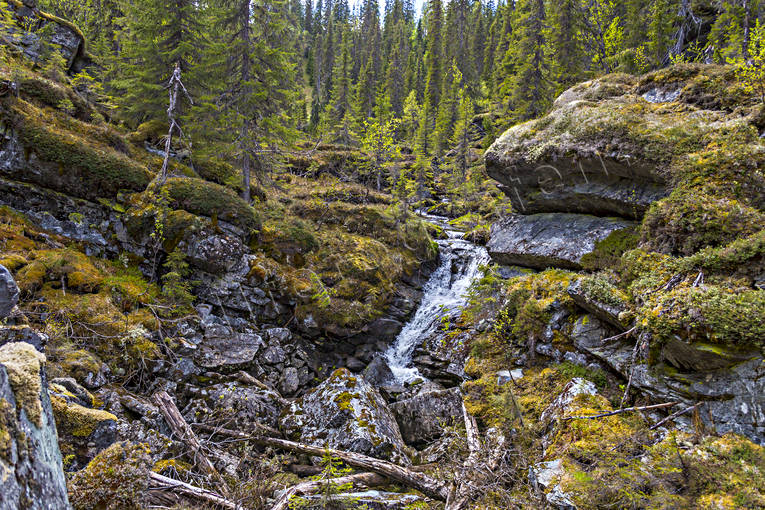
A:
(443, 293)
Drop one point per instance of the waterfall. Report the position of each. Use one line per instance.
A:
(444, 293)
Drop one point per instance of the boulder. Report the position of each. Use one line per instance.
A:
(378, 373)
(31, 470)
(347, 413)
(214, 253)
(9, 292)
(559, 163)
(240, 405)
(23, 334)
(422, 418)
(547, 240)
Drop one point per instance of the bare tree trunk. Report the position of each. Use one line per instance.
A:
(175, 85)
(184, 432)
(170, 492)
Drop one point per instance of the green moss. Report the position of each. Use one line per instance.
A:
(77, 421)
(213, 200)
(608, 251)
(87, 170)
(601, 290)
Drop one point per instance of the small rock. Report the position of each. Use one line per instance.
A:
(274, 355)
(234, 351)
(290, 382)
(577, 358)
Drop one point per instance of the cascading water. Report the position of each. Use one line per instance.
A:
(444, 293)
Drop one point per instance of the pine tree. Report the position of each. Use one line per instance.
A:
(434, 63)
(526, 87)
(411, 116)
(158, 36)
(339, 110)
(260, 81)
(461, 138)
(567, 57)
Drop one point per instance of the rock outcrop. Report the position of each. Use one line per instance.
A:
(31, 470)
(423, 417)
(347, 413)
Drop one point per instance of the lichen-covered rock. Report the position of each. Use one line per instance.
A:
(223, 349)
(600, 298)
(31, 470)
(235, 403)
(9, 292)
(422, 418)
(549, 240)
(347, 413)
(26, 334)
(83, 431)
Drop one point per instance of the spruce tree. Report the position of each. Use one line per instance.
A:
(567, 57)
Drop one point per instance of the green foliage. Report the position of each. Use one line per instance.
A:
(751, 71)
(331, 494)
(175, 284)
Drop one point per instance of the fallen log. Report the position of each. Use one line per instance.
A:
(429, 486)
(185, 433)
(164, 488)
(619, 411)
(359, 480)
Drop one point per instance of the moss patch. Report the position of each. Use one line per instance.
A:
(78, 421)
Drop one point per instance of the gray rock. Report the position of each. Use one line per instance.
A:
(378, 373)
(347, 413)
(290, 381)
(281, 336)
(577, 358)
(274, 355)
(588, 332)
(9, 292)
(242, 405)
(560, 405)
(423, 417)
(549, 240)
(232, 352)
(545, 476)
(74, 392)
(214, 253)
(31, 471)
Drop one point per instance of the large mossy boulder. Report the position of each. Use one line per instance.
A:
(31, 469)
(347, 413)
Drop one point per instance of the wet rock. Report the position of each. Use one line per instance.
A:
(9, 292)
(422, 418)
(347, 413)
(550, 239)
(378, 373)
(31, 470)
(231, 352)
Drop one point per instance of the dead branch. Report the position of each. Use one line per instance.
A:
(621, 335)
(359, 480)
(430, 487)
(674, 415)
(166, 488)
(263, 429)
(185, 433)
(619, 411)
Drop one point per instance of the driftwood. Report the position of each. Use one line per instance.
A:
(171, 491)
(429, 486)
(185, 433)
(358, 480)
(619, 411)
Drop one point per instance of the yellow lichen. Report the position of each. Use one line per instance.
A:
(23, 363)
(76, 420)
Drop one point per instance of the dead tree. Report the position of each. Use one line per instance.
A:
(175, 85)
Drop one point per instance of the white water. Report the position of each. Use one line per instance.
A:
(443, 294)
